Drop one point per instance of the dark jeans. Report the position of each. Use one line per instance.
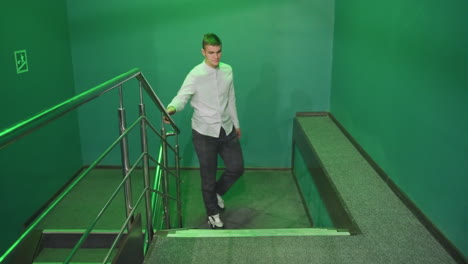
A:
(207, 149)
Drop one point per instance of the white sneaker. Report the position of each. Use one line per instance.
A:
(215, 222)
(220, 201)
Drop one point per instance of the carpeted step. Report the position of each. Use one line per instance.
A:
(58, 255)
(57, 244)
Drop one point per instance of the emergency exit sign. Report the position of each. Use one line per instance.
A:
(21, 60)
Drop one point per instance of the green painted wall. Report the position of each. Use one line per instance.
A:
(35, 167)
(400, 87)
(280, 51)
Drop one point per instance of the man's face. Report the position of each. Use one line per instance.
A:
(212, 55)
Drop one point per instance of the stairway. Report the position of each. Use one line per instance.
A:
(260, 205)
(55, 246)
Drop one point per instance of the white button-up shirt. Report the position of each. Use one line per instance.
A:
(212, 97)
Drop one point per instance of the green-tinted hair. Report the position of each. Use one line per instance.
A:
(211, 39)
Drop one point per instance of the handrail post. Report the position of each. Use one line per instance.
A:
(165, 179)
(144, 149)
(21, 129)
(177, 167)
(125, 158)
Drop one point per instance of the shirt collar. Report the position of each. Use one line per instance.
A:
(208, 68)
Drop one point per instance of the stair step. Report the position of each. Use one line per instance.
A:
(85, 255)
(68, 238)
(252, 232)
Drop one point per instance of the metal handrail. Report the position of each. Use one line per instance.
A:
(122, 229)
(21, 129)
(163, 168)
(107, 204)
(157, 133)
(150, 92)
(27, 126)
(67, 190)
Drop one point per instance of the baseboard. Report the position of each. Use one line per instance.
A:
(113, 167)
(312, 113)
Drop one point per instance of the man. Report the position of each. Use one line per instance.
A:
(215, 126)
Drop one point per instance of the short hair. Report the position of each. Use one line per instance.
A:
(211, 39)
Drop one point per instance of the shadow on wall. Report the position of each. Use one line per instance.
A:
(262, 113)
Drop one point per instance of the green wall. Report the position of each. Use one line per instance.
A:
(35, 167)
(280, 51)
(400, 87)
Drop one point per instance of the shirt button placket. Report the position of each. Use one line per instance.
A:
(219, 99)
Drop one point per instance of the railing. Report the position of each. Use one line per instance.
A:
(21, 129)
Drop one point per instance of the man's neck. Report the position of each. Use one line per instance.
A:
(207, 64)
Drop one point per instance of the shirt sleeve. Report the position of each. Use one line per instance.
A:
(185, 93)
(232, 105)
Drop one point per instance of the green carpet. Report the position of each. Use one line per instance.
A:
(54, 255)
(263, 200)
(260, 199)
(270, 200)
(79, 209)
(390, 232)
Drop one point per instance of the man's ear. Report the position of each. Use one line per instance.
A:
(203, 52)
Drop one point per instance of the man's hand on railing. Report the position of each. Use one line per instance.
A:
(170, 110)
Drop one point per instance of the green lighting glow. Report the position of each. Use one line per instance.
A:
(257, 232)
(15, 132)
(39, 219)
(156, 199)
(157, 179)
